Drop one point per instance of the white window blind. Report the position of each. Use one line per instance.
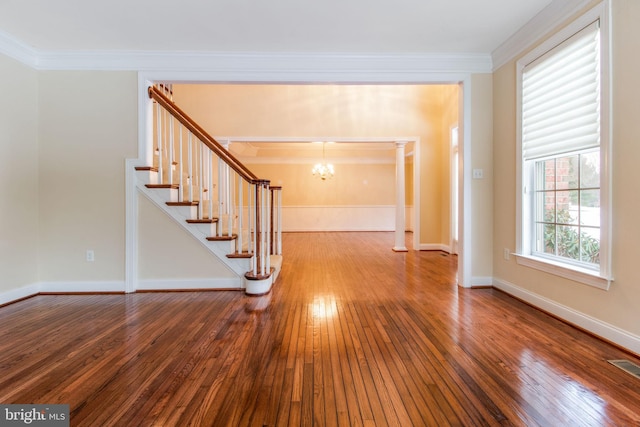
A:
(561, 97)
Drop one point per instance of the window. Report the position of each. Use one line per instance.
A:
(567, 203)
(564, 196)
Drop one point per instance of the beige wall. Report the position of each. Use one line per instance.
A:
(312, 110)
(18, 175)
(482, 208)
(336, 111)
(88, 126)
(166, 251)
(353, 184)
(619, 305)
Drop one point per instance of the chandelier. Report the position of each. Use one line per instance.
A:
(323, 170)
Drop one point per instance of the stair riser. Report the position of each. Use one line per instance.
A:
(147, 177)
(167, 194)
(184, 212)
(229, 246)
(205, 230)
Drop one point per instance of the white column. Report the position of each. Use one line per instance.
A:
(400, 198)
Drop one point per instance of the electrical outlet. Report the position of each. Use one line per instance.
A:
(90, 255)
(478, 174)
(506, 253)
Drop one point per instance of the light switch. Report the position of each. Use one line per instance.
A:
(478, 173)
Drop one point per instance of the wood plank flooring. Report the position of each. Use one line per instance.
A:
(353, 334)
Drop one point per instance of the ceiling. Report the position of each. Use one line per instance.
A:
(276, 26)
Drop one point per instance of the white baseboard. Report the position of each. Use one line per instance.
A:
(71, 287)
(434, 247)
(118, 286)
(481, 281)
(18, 293)
(88, 286)
(597, 327)
(185, 284)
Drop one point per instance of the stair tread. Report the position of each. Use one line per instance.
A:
(240, 255)
(222, 238)
(182, 203)
(171, 186)
(147, 168)
(202, 221)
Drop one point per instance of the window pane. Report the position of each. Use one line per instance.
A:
(574, 206)
(546, 238)
(590, 170)
(568, 242)
(566, 212)
(550, 174)
(590, 245)
(549, 238)
(567, 172)
(590, 207)
(546, 206)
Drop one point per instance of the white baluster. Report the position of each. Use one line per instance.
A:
(171, 152)
(230, 204)
(165, 142)
(201, 180)
(180, 169)
(210, 175)
(190, 166)
(220, 198)
(159, 138)
(240, 213)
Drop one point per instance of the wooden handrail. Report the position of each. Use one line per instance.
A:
(202, 135)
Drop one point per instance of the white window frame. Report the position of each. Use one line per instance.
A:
(601, 278)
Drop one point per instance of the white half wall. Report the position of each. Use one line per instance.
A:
(338, 218)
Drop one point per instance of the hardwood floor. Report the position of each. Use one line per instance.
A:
(353, 334)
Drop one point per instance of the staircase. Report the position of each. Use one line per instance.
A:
(213, 196)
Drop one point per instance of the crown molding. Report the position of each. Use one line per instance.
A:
(258, 64)
(14, 48)
(540, 25)
(250, 65)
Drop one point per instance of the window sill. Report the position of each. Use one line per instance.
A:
(577, 274)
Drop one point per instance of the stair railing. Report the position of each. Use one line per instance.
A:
(242, 206)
